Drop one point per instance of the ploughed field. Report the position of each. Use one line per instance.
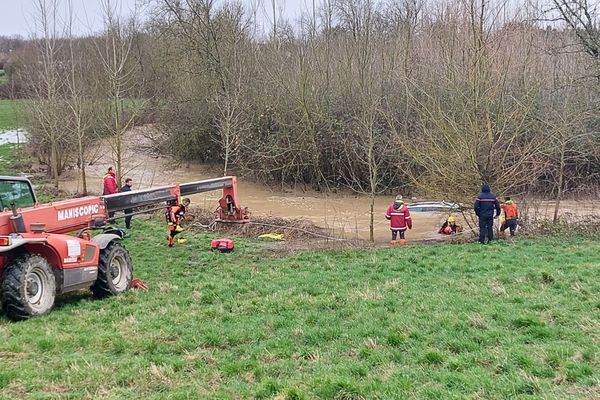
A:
(513, 319)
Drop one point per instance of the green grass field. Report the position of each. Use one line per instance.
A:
(8, 157)
(510, 320)
(8, 114)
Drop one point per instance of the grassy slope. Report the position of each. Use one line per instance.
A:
(8, 115)
(504, 321)
(463, 321)
(8, 157)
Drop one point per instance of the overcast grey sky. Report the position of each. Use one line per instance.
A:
(16, 16)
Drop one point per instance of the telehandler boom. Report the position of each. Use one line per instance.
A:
(38, 260)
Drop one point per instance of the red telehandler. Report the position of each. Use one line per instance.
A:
(39, 260)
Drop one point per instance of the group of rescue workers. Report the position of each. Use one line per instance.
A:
(486, 206)
(174, 214)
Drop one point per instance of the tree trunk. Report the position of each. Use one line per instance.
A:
(373, 172)
(119, 138)
(83, 179)
(559, 190)
(55, 164)
(226, 156)
(82, 169)
(80, 137)
(372, 219)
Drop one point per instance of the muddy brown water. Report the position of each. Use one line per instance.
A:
(346, 216)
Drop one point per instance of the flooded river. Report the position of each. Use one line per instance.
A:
(346, 215)
(13, 136)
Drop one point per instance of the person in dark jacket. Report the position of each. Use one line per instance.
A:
(485, 206)
(128, 211)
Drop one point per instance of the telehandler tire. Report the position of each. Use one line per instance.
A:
(114, 271)
(28, 288)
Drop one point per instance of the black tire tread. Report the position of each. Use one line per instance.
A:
(102, 287)
(13, 302)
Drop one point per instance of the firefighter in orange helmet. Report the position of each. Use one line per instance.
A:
(450, 227)
(174, 216)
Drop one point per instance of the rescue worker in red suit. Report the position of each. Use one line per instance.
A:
(109, 182)
(450, 227)
(174, 216)
(400, 220)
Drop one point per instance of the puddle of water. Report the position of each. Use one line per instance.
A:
(14, 136)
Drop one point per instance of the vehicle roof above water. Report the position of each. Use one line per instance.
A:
(429, 206)
(14, 178)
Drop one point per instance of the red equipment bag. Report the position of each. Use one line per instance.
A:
(138, 284)
(223, 245)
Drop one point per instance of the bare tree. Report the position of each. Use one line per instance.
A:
(571, 144)
(44, 86)
(368, 142)
(119, 83)
(473, 126)
(82, 107)
(458, 93)
(582, 17)
(231, 122)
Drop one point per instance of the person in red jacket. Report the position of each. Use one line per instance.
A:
(400, 220)
(109, 182)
